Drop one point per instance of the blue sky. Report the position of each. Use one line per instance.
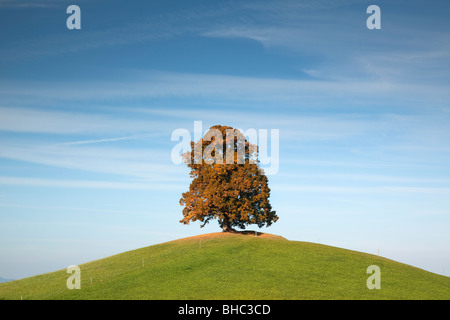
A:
(86, 118)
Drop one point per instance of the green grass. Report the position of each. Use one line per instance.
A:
(235, 266)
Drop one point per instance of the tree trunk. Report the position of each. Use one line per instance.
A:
(226, 225)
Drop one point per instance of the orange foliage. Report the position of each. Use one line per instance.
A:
(228, 183)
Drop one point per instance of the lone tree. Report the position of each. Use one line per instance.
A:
(228, 183)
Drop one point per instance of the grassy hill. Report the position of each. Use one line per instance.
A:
(235, 266)
(4, 280)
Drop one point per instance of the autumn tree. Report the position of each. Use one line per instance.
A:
(228, 184)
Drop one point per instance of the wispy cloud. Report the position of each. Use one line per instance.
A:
(354, 177)
(29, 4)
(133, 137)
(362, 190)
(53, 183)
(98, 141)
(69, 122)
(301, 27)
(63, 208)
(149, 84)
(430, 130)
(137, 29)
(132, 163)
(411, 53)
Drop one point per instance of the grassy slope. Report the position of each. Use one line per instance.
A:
(232, 266)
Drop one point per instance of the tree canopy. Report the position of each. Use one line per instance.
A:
(228, 183)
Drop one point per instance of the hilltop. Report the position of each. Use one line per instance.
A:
(235, 266)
